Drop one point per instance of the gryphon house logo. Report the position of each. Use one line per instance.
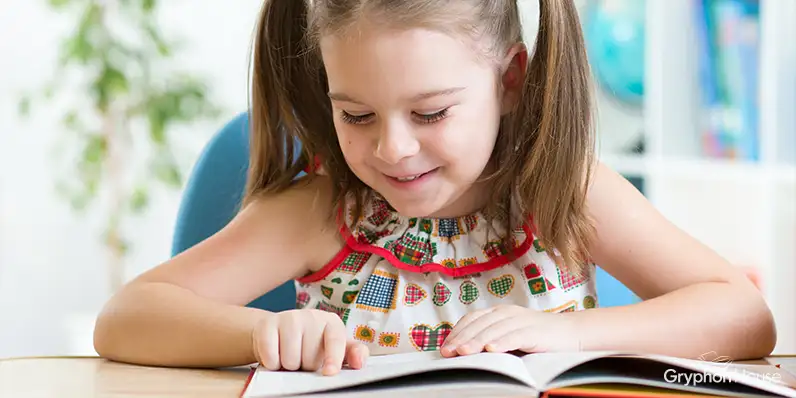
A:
(721, 361)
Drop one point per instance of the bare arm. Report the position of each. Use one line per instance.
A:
(695, 301)
(189, 311)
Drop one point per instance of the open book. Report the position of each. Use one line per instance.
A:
(542, 374)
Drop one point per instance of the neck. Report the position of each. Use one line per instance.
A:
(474, 199)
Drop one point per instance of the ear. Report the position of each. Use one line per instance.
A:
(513, 76)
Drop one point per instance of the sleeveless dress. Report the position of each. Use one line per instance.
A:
(401, 284)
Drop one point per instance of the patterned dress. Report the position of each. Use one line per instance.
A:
(400, 284)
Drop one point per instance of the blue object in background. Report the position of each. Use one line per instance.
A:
(214, 192)
(614, 32)
(213, 195)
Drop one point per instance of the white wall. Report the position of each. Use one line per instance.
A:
(51, 265)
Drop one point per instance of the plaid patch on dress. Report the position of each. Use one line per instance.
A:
(368, 237)
(341, 312)
(468, 292)
(413, 250)
(568, 281)
(426, 338)
(493, 249)
(413, 294)
(380, 213)
(448, 228)
(379, 293)
(501, 286)
(353, 263)
(442, 294)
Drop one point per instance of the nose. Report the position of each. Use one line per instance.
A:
(396, 142)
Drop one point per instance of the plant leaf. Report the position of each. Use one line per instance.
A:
(139, 200)
(23, 107)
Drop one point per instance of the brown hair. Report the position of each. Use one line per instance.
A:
(544, 148)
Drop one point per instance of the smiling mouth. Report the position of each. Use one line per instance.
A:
(412, 177)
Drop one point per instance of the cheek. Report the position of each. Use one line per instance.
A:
(353, 145)
(469, 141)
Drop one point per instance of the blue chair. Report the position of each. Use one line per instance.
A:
(213, 195)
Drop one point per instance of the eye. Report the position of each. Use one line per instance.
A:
(432, 117)
(355, 119)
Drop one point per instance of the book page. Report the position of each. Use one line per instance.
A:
(267, 383)
(641, 371)
(557, 370)
(765, 377)
(543, 367)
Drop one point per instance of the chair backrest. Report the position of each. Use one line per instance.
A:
(212, 197)
(214, 191)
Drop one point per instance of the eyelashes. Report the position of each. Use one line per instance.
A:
(420, 117)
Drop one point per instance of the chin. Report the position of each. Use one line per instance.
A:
(414, 208)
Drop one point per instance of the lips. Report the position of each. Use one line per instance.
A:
(409, 177)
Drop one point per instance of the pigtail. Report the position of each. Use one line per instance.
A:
(553, 162)
(288, 98)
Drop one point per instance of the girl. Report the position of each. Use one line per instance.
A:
(451, 204)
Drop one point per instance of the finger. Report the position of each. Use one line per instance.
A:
(356, 354)
(492, 337)
(268, 346)
(312, 347)
(291, 336)
(512, 339)
(464, 343)
(449, 346)
(334, 347)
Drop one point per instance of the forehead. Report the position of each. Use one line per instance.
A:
(378, 64)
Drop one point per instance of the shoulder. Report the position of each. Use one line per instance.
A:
(303, 213)
(309, 197)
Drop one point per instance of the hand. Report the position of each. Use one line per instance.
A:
(306, 339)
(511, 328)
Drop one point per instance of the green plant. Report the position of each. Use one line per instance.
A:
(123, 98)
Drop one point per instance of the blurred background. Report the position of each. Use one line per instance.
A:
(105, 108)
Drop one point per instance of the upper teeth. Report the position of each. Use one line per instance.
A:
(408, 178)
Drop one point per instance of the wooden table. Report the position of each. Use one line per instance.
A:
(90, 377)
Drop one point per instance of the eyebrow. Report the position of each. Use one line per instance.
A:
(422, 96)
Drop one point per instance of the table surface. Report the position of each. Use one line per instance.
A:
(68, 377)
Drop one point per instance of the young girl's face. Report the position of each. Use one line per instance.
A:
(417, 114)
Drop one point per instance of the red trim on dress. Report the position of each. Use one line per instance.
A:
(328, 268)
(435, 267)
(353, 246)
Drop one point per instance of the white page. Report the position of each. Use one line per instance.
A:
(543, 367)
(266, 383)
(764, 377)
